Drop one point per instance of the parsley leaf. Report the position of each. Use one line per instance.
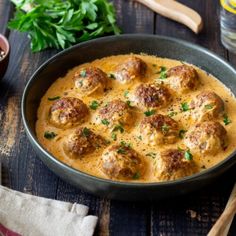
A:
(111, 76)
(54, 98)
(86, 132)
(60, 24)
(172, 113)
(136, 175)
(121, 150)
(128, 102)
(94, 105)
(185, 106)
(226, 119)
(140, 137)
(105, 122)
(165, 128)
(83, 73)
(163, 73)
(181, 133)
(151, 154)
(209, 106)
(126, 93)
(118, 128)
(149, 113)
(114, 136)
(124, 144)
(49, 135)
(188, 155)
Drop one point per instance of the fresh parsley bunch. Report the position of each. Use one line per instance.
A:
(61, 23)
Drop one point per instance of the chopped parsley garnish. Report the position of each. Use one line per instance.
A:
(124, 144)
(173, 113)
(181, 133)
(114, 136)
(94, 105)
(121, 150)
(49, 135)
(105, 122)
(86, 132)
(118, 128)
(128, 102)
(111, 76)
(151, 154)
(188, 155)
(226, 119)
(185, 106)
(136, 175)
(165, 128)
(163, 73)
(126, 93)
(108, 142)
(149, 113)
(209, 106)
(54, 98)
(81, 83)
(83, 73)
(139, 137)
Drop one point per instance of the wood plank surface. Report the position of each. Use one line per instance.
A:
(192, 214)
(6, 10)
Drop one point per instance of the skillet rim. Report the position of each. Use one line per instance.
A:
(33, 138)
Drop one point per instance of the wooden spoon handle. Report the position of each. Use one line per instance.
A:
(223, 223)
(177, 12)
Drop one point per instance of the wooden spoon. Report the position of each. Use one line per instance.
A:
(177, 12)
(222, 225)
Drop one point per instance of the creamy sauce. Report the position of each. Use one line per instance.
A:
(89, 164)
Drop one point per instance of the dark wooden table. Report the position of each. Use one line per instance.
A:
(193, 214)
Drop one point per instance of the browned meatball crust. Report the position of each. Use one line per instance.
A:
(206, 106)
(182, 78)
(130, 69)
(151, 96)
(115, 112)
(90, 80)
(208, 137)
(121, 162)
(172, 164)
(82, 141)
(67, 112)
(159, 129)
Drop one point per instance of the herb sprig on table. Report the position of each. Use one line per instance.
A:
(60, 24)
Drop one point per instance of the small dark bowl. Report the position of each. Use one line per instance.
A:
(4, 45)
(154, 45)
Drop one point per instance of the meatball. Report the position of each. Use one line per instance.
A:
(82, 141)
(130, 69)
(67, 112)
(172, 164)
(206, 106)
(151, 96)
(208, 137)
(182, 78)
(114, 113)
(121, 162)
(90, 80)
(159, 129)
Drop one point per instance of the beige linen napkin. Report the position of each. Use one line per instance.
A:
(36, 216)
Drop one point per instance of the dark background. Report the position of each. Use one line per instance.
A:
(23, 171)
